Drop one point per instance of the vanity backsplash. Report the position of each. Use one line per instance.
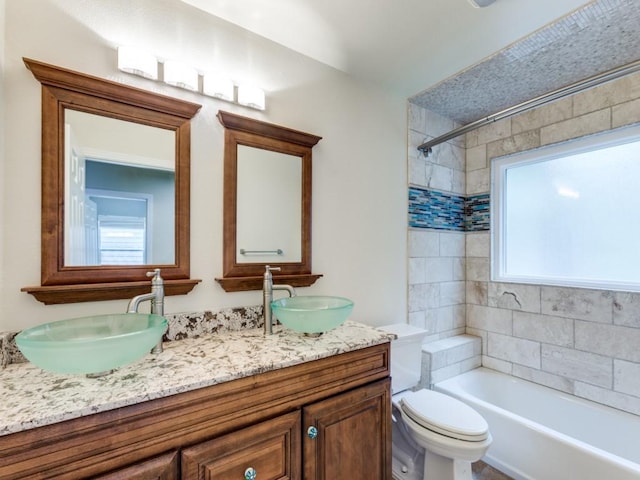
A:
(181, 326)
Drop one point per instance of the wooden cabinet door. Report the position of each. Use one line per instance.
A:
(271, 449)
(352, 435)
(164, 467)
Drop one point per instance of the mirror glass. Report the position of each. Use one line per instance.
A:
(119, 192)
(269, 206)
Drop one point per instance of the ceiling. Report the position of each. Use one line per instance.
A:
(460, 61)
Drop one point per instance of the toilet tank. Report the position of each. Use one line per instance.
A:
(406, 355)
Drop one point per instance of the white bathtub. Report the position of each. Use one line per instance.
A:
(543, 434)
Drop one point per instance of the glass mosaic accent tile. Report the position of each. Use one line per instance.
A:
(477, 213)
(447, 211)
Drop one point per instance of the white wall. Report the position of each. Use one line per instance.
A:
(359, 175)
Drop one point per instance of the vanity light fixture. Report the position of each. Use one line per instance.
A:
(138, 62)
(180, 75)
(218, 86)
(251, 96)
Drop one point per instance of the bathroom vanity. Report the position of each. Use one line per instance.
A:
(221, 406)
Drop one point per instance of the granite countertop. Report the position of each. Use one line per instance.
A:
(31, 397)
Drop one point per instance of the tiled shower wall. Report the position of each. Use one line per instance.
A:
(585, 342)
(436, 255)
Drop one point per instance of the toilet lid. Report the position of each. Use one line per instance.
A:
(445, 415)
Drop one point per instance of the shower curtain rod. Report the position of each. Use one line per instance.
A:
(593, 81)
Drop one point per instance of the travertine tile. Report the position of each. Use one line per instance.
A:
(416, 301)
(452, 244)
(471, 139)
(628, 403)
(609, 340)
(417, 118)
(576, 127)
(478, 245)
(459, 316)
(514, 296)
(477, 158)
(583, 366)
(436, 124)
(583, 304)
(459, 267)
(452, 293)
(545, 115)
(443, 317)
(497, 364)
(424, 243)
(449, 155)
(516, 143)
(626, 309)
(606, 95)
(417, 270)
(544, 378)
(439, 177)
(438, 269)
(418, 172)
(494, 131)
(625, 114)
(626, 376)
(459, 182)
(414, 139)
(477, 293)
(543, 328)
(515, 350)
(490, 319)
(452, 350)
(478, 181)
(478, 269)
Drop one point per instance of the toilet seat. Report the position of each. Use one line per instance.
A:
(445, 415)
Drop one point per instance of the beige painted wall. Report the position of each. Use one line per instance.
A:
(359, 175)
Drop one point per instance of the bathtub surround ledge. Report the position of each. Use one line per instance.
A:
(448, 357)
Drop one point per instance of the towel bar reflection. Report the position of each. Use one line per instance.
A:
(261, 252)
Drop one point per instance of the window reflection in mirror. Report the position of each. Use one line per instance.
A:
(119, 192)
(269, 206)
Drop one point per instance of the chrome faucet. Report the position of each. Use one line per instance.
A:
(156, 297)
(267, 296)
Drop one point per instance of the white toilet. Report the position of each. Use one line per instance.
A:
(434, 436)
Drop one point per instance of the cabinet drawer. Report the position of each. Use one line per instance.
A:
(271, 448)
(164, 467)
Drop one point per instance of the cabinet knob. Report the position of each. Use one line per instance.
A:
(250, 474)
(312, 432)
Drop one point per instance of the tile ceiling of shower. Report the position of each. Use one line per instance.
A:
(598, 37)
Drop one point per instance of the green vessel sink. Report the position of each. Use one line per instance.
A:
(312, 313)
(93, 344)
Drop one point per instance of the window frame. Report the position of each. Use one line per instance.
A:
(499, 167)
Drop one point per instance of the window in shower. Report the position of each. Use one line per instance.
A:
(569, 214)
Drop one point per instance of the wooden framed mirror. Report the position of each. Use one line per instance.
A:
(115, 188)
(267, 203)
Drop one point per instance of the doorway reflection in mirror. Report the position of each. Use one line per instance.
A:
(119, 192)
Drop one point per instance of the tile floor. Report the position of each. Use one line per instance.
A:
(482, 471)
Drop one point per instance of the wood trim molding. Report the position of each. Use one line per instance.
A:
(62, 89)
(239, 276)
